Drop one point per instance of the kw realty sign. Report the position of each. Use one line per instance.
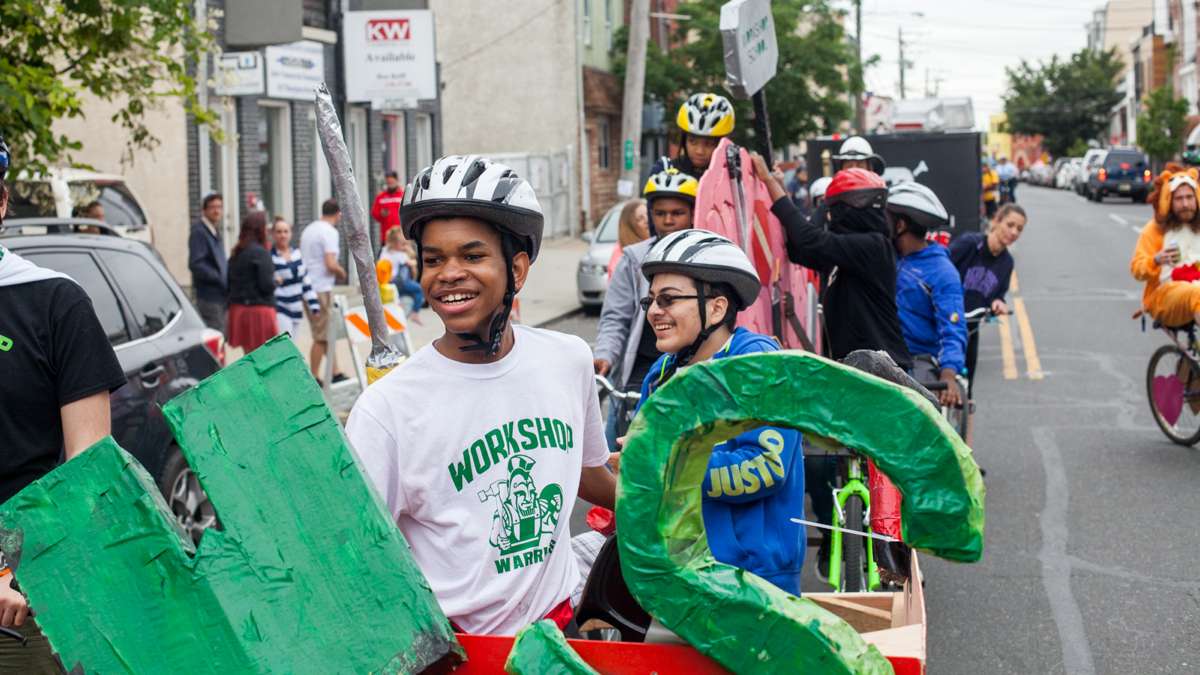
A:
(390, 57)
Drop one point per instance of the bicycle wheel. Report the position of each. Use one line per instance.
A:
(1173, 389)
(854, 548)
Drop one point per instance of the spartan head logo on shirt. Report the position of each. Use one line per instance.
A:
(523, 515)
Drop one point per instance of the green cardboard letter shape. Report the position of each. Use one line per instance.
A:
(309, 574)
(745, 623)
(541, 649)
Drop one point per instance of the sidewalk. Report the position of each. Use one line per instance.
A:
(549, 293)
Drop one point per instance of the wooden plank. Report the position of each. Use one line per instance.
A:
(863, 618)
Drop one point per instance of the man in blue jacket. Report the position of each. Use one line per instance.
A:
(929, 294)
(699, 281)
(208, 264)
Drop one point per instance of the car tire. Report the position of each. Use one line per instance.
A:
(592, 310)
(185, 497)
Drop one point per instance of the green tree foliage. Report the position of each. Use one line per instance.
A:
(53, 53)
(1064, 100)
(809, 93)
(1160, 125)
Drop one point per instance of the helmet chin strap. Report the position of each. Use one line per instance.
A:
(684, 356)
(499, 322)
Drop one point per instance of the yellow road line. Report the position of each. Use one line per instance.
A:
(1013, 286)
(1033, 365)
(1006, 349)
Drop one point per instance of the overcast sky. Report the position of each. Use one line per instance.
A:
(966, 43)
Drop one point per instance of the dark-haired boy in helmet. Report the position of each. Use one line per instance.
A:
(704, 118)
(929, 294)
(462, 439)
(624, 343)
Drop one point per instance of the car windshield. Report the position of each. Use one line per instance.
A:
(120, 208)
(31, 199)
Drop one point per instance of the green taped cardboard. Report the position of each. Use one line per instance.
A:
(309, 575)
(743, 622)
(541, 649)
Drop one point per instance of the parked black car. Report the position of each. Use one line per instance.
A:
(163, 346)
(1124, 172)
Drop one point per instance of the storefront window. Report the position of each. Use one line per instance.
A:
(275, 158)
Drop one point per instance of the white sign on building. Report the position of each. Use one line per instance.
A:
(390, 57)
(295, 70)
(238, 74)
(748, 39)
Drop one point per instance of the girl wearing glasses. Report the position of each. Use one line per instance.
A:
(699, 281)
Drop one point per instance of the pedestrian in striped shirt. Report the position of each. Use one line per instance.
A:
(292, 287)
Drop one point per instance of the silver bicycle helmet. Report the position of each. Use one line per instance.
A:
(917, 204)
(471, 185)
(705, 256)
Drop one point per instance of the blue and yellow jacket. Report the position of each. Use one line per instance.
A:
(754, 487)
(929, 297)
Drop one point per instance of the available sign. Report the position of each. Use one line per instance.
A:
(238, 74)
(748, 40)
(390, 57)
(295, 70)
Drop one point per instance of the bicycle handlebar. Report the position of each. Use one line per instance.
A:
(979, 313)
(611, 389)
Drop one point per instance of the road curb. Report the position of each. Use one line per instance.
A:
(558, 317)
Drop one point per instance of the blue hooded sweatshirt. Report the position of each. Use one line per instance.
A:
(929, 297)
(754, 487)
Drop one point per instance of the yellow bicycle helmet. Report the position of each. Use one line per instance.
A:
(671, 183)
(706, 114)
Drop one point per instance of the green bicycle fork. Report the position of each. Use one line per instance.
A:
(854, 487)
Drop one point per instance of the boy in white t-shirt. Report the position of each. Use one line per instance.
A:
(480, 443)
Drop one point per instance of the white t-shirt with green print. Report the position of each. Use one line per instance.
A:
(479, 465)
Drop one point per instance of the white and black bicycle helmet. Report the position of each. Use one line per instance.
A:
(918, 205)
(471, 185)
(858, 148)
(706, 257)
(476, 187)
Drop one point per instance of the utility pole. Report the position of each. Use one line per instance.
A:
(860, 112)
(635, 81)
(900, 40)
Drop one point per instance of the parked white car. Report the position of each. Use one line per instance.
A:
(591, 278)
(1065, 178)
(59, 193)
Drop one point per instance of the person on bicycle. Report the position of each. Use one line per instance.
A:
(480, 442)
(985, 266)
(856, 153)
(929, 294)
(699, 281)
(624, 347)
(704, 118)
(1169, 247)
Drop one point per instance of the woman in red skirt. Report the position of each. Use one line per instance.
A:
(251, 286)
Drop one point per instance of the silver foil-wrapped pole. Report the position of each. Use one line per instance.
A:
(354, 229)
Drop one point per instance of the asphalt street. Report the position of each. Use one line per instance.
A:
(1091, 536)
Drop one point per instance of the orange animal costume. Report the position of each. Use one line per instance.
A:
(1172, 303)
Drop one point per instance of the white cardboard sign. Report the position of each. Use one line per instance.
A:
(748, 40)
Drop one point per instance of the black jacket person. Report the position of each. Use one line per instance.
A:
(856, 256)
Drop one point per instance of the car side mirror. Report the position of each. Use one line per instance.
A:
(588, 236)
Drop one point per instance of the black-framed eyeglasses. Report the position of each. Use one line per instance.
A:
(663, 301)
